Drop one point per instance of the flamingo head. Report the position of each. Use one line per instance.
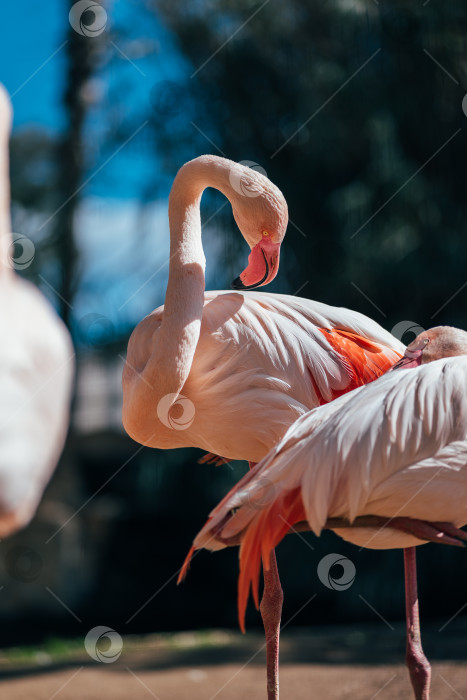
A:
(260, 210)
(434, 344)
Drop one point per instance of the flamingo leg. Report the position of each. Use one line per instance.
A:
(271, 611)
(418, 665)
(211, 458)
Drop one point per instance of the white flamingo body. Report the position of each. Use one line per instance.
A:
(36, 370)
(409, 454)
(394, 448)
(262, 360)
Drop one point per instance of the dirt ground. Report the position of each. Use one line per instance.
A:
(230, 682)
(316, 665)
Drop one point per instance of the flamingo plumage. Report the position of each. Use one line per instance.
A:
(251, 363)
(230, 371)
(36, 370)
(384, 467)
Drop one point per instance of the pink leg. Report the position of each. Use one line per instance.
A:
(418, 665)
(271, 610)
(211, 458)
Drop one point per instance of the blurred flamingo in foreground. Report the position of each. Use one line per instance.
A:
(36, 368)
(384, 467)
(228, 372)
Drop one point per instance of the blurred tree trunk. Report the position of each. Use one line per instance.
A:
(81, 60)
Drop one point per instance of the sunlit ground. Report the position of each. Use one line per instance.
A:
(364, 662)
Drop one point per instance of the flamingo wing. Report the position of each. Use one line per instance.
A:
(395, 447)
(263, 360)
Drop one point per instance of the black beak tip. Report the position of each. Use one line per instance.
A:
(237, 284)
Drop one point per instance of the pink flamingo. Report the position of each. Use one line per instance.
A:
(228, 372)
(36, 368)
(384, 467)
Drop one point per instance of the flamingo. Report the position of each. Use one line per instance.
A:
(384, 467)
(36, 368)
(228, 372)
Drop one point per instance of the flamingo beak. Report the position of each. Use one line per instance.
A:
(407, 362)
(413, 355)
(263, 265)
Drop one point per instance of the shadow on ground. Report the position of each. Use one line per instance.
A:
(377, 644)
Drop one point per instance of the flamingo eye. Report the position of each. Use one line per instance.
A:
(265, 233)
(426, 341)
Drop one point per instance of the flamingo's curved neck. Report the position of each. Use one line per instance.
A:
(179, 332)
